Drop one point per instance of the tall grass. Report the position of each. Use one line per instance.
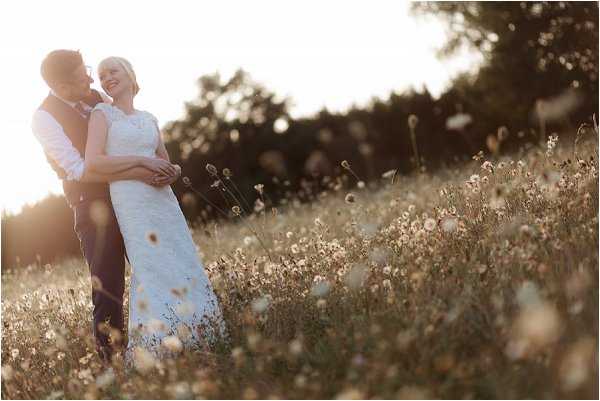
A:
(475, 282)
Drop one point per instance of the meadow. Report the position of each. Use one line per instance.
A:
(478, 281)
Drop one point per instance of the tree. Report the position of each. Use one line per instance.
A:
(532, 50)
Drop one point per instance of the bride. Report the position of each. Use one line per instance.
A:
(171, 298)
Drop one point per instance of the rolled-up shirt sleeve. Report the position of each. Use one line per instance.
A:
(57, 145)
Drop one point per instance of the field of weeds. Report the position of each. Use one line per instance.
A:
(474, 282)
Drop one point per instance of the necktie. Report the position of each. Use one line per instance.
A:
(84, 113)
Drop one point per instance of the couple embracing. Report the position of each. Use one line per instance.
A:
(116, 177)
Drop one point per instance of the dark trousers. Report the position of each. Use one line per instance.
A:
(102, 245)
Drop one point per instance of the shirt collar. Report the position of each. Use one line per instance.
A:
(72, 104)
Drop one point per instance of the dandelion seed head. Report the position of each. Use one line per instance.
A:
(449, 224)
(356, 276)
(458, 122)
(260, 305)
(106, 378)
(320, 288)
(430, 224)
(144, 362)
(212, 170)
(172, 343)
(413, 120)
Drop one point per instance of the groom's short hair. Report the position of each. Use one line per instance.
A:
(59, 65)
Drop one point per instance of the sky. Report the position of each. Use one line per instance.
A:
(321, 54)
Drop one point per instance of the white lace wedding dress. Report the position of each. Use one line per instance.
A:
(170, 293)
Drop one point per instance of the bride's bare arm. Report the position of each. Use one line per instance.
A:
(97, 161)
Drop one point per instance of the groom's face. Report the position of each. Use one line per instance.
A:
(77, 86)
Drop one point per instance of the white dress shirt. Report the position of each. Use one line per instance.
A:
(56, 143)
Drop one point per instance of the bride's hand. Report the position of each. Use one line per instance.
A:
(160, 166)
(160, 180)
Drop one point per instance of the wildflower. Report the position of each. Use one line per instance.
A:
(552, 140)
(295, 248)
(413, 120)
(259, 188)
(236, 210)
(106, 378)
(172, 343)
(237, 354)
(295, 347)
(389, 174)
(185, 308)
(488, 166)
(350, 394)
(50, 334)
(212, 170)
(350, 198)
(492, 144)
(536, 326)
(449, 224)
(14, 353)
(155, 325)
(577, 364)
(260, 305)
(360, 184)
(502, 133)
(143, 360)
(558, 107)
(320, 289)
(478, 156)
(429, 224)
(227, 173)
(180, 390)
(7, 372)
(186, 181)
(258, 205)
(458, 122)
(188, 200)
(355, 277)
(345, 164)
(300, 381)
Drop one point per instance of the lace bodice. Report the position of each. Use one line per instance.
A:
(134, 134)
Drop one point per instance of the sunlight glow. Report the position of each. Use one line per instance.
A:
(330, 54)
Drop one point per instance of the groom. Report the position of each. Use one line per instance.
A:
(60, 125)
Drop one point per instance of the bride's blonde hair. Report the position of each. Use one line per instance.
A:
(126, 65)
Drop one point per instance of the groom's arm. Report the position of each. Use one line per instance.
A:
(135, 173)
(59, 148)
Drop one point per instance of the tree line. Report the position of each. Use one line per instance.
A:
(239, 147)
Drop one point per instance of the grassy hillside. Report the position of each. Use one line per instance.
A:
(478, 282)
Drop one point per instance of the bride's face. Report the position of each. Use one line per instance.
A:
(114, 80)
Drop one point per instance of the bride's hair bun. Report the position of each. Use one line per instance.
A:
(126, 65)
